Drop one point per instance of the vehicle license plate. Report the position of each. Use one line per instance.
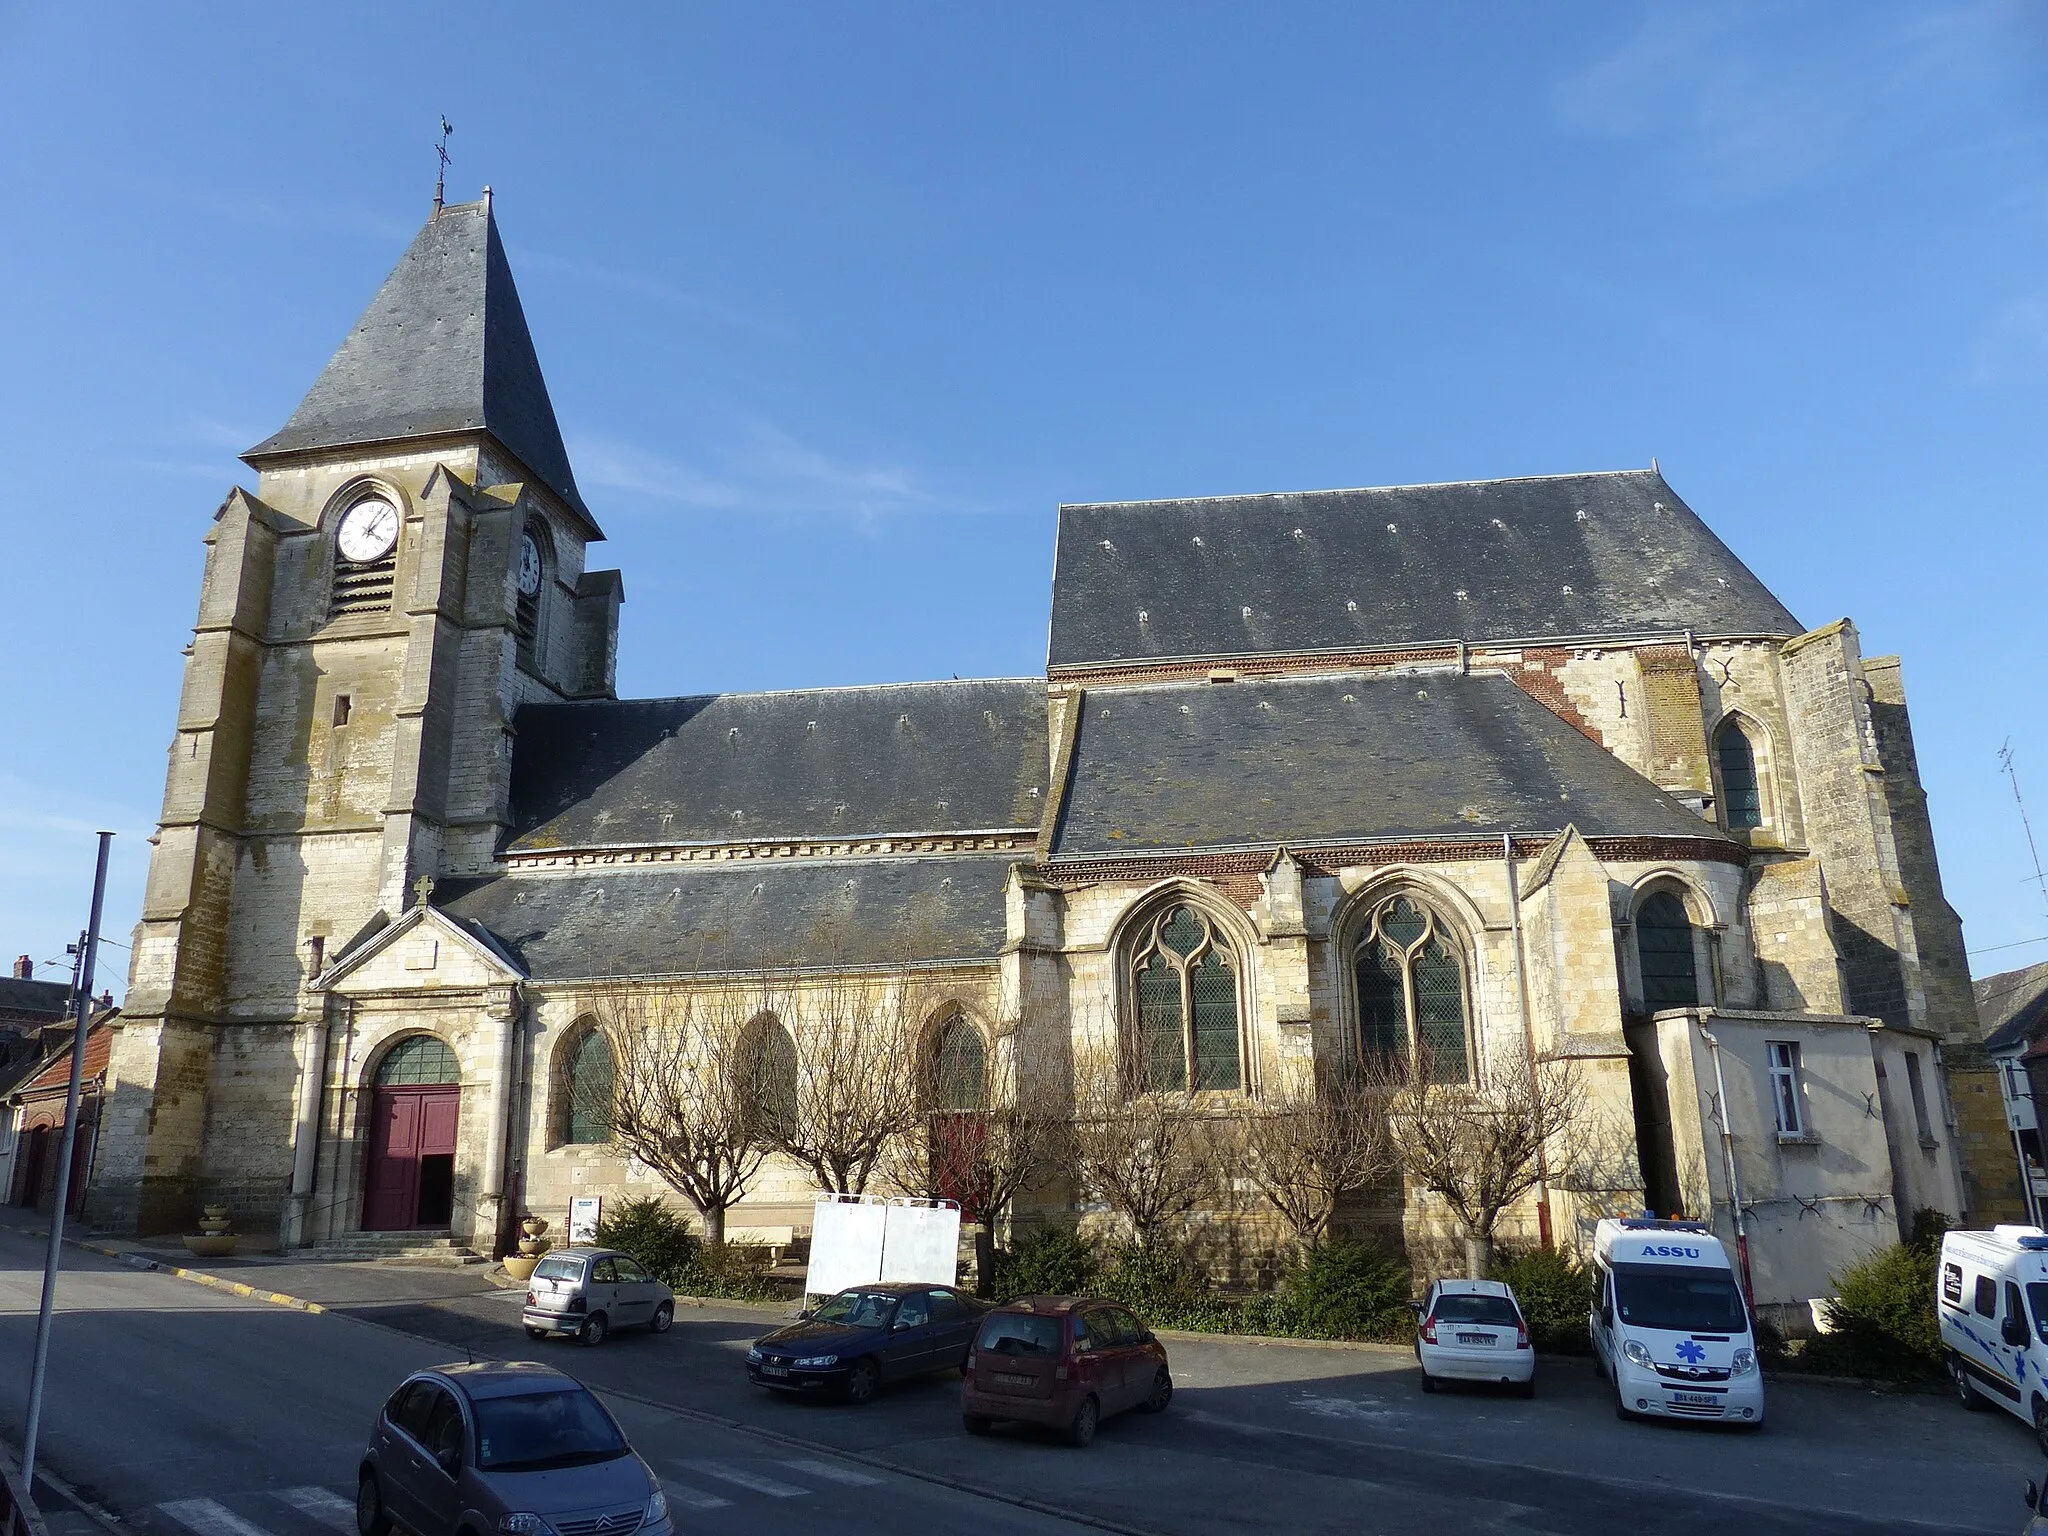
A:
(774, 1370)
(1005, 1379)
(1475, 1338)
(1697, 1399)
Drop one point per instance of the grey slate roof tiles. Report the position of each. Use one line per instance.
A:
(1349, 756)
(1570, 555)
(443, 348)
(817, 764)
(2012, 1007)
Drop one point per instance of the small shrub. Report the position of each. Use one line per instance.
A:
(1156, 1283)
(1884, 1323)
(1342, 1290)
(1928, 1227)
(730, 1272)
(1047, 1261)
(652, 1231)
(1556, 1294)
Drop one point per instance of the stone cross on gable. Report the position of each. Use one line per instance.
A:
(422, 888)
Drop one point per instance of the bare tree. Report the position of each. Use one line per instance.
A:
(1479, 1148)
(1310, 1145)
(682, 1098)
(1149, 1155)
(856, 1087)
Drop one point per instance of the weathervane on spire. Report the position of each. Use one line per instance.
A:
(441, 149)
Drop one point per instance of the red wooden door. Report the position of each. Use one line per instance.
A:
(411, 1179)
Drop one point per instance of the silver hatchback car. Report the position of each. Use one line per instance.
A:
(510, 1447)
(590, 1291)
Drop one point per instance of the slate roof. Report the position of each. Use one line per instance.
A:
(742, 767)
(2012, 1007)
(443, 348)
(18, 996)
(653, 920)
(1569, 555)
(1344, 757)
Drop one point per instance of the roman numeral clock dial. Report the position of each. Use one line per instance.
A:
(368, 531)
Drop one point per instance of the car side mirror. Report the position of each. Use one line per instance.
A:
(1415, 1307)
(449, 1460)
(804, 1315)
(2033, 1496)
(2014, 1331)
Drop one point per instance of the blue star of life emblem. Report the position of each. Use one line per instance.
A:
(1691, 1352)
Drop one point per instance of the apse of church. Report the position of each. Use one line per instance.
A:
(1467, 772)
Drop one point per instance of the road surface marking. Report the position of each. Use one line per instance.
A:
(832, 1472)
(209, 1518)
(750, 1480)
(691, 1498)
(322, 1504)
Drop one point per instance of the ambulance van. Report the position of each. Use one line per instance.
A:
(1670, 1327)
(1991, 1296)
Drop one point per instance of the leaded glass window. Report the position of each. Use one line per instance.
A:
(1664, 950)
(1184, 991)
(588, 1082)
(1742, 800)
(959, 1066)
(1411, 992)
(770, 1057)
(420, 1061)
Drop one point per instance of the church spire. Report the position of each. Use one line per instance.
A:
(442, 350)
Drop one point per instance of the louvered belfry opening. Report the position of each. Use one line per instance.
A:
(364, 588)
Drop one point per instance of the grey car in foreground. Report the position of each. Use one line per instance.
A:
(503, 1447)
(589, 1292)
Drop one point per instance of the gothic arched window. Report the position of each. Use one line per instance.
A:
(959, 1066)
(1411, 992)
(1665, 952)
(1183, 987)
(1742, 799)
(587, 1090)
(769, 1056)
(419, 1060)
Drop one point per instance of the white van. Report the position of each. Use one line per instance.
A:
(1670, 1327)
(1989, 1286)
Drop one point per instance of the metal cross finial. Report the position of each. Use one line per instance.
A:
(441, 149)
(422, 888)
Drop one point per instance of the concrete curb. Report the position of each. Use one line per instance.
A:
(137, 1260)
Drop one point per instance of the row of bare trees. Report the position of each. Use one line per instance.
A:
(837, 1075)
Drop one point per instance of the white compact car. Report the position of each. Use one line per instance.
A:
(1670, 1326)
(1991, 1297)
(1473, 1330)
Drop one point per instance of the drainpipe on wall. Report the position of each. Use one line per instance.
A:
(1507, 853)
(306, 1135)
(1734, 1182)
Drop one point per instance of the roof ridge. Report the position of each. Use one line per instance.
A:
(777, 693)
(1359, 490)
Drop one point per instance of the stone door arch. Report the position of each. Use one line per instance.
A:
(415, 1106)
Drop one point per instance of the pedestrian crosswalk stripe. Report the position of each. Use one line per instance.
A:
(833, 1472)
(324, 1505)
(209, 1518)
(751, 1480)
(692, 1498)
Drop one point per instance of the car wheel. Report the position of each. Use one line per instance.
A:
(1428, 1382)
(976, 1424)
(1622, 1411)
(594, 1328)
(1086, 1418)
(370, 1517)
(861, 1381)
(1161, 1393)
(535, 1333)
(2041, 1421)
(1966, 1390)
(664, 1316)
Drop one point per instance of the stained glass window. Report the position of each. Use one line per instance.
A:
(589, 1086)
(1742, 801)
(959, 1066)
(421, 1060)
(1664, 949)
(1411, 993)
(771, 1062)
(1184, 990)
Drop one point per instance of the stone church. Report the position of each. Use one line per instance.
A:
(1472, 769)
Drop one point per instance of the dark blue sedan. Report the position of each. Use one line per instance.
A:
(854, 1342)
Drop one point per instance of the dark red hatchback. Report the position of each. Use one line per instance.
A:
(1067, 1362)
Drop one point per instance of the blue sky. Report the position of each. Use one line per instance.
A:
(838, 302)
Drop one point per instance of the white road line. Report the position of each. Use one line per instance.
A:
(324, 1505)
(750, 1480)
(691, 1498)
(209, 1518)
(833, 1472)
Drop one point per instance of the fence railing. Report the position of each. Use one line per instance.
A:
(18, 1513)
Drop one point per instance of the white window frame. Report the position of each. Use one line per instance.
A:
(1916, 1088)
(1788, 1088)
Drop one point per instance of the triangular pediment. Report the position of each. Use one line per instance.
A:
(425, 950)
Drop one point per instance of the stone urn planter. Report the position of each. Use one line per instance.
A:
(533, 1243)
(215, 1238)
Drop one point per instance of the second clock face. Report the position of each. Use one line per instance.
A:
(529, 565)
(368, 531)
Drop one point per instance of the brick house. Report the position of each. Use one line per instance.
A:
(35, 1113)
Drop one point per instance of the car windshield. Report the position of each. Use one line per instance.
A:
(2037, 1299)
(559, 1269)
(857, 1309)
(1020, 1333)
(1680, 1300)
(532, 1432)
(1476, 1309)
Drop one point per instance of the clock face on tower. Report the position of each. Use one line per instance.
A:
(529, 565)
(368, 531)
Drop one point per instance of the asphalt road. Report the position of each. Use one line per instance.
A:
(163, 1391)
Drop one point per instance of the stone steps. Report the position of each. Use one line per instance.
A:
(433, 1249)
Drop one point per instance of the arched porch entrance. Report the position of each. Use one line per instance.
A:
(415, 1106)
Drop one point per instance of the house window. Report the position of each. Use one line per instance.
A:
(1664, 949)
(1918, 1089)
(423, 1059)
(1183, 982)
(959, 1066)
(1742, 800)
(587, 1085)
(1411, 992)
(771, 1065)
(1788, 1090)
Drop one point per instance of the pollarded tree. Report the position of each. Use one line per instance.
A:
(1308, 1146)
(856, 1085)
(1150, 1155)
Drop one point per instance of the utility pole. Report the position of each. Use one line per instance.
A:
(88, 951)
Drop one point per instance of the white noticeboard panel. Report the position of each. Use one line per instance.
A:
(922, 1243)
(584, 1213)
(846, 1245)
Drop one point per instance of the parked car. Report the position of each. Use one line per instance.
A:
(590, 1291)
(1473, 1330)
(1067, 1362)
(1670, 1326)
(1991, 1299)
(2037, 1514)
(853, 1343)
(509, 1447)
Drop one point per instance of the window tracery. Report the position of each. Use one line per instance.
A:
(1183, 986)
(1411, 992)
